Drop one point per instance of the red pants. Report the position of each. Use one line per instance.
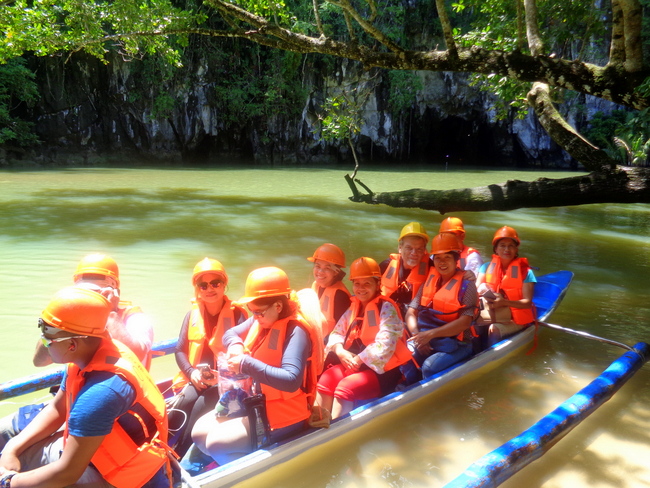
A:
(349, 385)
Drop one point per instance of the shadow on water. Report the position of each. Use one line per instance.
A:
(431, 442)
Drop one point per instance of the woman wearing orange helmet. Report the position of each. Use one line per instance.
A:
(440, 317)
(506, 285)
(280, 351)
(199, 343)
(470, 258)
(368, 345)
(334, 297)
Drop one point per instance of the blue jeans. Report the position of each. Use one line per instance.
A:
(439, 361)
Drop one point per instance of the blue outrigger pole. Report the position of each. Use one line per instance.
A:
(497, 466)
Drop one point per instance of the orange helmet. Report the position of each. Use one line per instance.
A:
(79, 311)
(330, 253)
(208, 265)
(414, 229)
(504, 232)
(452, 224)
(364, 268)
(265, 282)
(445, 242)
(100, 264)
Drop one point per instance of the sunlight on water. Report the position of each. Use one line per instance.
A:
(158, 223)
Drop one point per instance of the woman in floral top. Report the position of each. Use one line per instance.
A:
(366, 347)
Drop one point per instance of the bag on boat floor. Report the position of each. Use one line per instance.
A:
(427, 320)
(259, 424)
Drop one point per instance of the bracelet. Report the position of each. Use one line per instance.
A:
(5, 481)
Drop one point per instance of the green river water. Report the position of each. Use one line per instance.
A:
(157, 223)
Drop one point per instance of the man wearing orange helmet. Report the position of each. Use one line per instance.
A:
(126, 323)
(470, 259)
(107, 424)
(506, 284)
(403, 274)
(441, 315)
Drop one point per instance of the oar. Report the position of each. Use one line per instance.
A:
(586, 335)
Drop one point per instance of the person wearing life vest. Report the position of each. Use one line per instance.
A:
(333, 295)
(440, 318)
(403, 274)
(470, 258)
(126, 322)
(368, 344)
(507, 284)
(199, 343)
(282, 352)
(114, 415)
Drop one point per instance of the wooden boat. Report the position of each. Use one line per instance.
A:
(549, 292)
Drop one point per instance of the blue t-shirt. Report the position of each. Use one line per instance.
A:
(103, 398)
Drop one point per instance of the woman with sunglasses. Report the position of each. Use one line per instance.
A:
(199, 343)
(282, 353)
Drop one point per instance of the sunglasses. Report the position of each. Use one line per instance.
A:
(212, 284)
(260, 313)
(48, 342)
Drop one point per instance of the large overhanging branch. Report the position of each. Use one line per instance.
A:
(626, 185)
(593, 158)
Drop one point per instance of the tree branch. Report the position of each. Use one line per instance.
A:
(593, 158)
(632, 21)
(446, 28)
(533, 35)
(319, 24)
(521, 36)
(625, 185)
(617, 44)
(367, 26)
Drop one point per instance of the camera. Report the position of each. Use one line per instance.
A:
(206, 371)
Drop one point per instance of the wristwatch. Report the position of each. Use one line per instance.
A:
(5, 481)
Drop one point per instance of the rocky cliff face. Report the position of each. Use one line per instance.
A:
(91, 111)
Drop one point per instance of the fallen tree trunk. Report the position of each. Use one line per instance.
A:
(621, 185)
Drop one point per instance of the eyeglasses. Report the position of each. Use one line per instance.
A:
(260, 313)
(48, 342)
(212, 284)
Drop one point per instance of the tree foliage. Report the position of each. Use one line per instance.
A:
(17, 88)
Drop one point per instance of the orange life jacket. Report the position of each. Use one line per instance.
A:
(463, 256)
(446, 301)
(370, 327)
(197, 336)
(390, 279)
(124, 310)
(327, 303)
(511, 282)
(284, 408)
(119, 459)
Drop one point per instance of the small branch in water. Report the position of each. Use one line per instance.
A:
(370, 192)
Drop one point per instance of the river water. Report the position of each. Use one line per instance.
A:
(157, 223)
